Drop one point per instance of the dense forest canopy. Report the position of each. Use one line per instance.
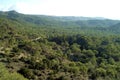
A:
(39, 47)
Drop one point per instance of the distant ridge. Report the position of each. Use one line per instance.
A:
(64, 21)
(62, 17)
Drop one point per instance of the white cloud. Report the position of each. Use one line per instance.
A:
(91, 8)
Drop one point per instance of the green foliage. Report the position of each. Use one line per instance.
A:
(26, 72)
(6, 75)
(58, 48)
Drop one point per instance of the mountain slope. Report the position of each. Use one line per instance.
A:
(61, 21)
(42, 47)
(115, 28)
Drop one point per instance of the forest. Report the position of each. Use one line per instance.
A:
(40, 47)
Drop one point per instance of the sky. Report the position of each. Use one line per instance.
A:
(87, 8)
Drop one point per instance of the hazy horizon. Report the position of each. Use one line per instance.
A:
(85, 8)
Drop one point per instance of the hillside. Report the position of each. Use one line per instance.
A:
(39, 47)
(61, 21)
